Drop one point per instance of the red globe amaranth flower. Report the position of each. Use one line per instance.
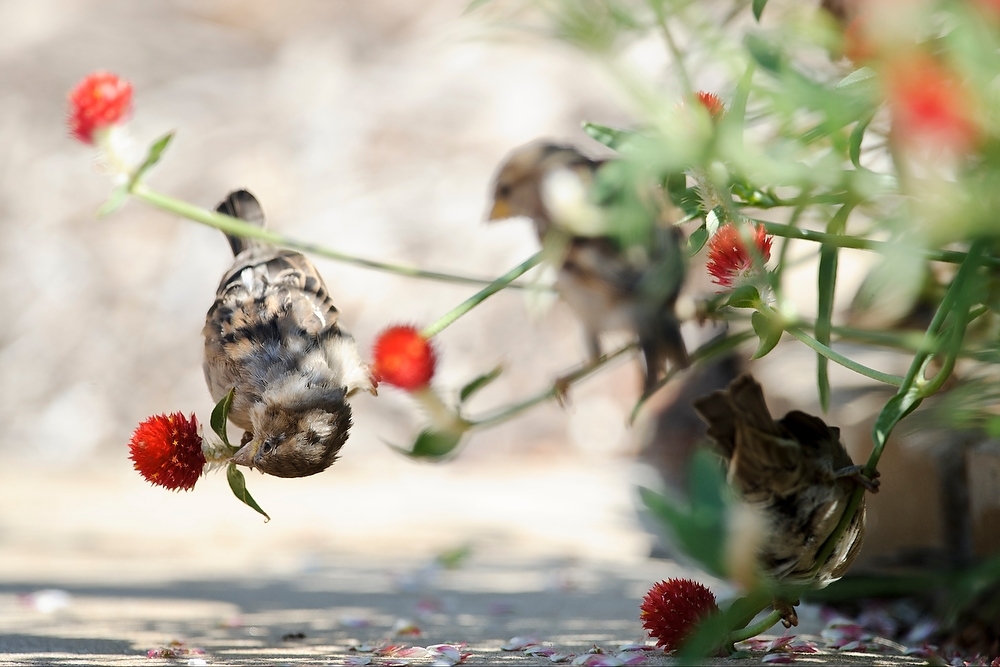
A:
(928, 104)
(712, 103)
(99, 101)
(403, 357)
(166, 450)
(728, 259)
(672, 609)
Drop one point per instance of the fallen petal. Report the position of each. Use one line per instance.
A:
(778, 659)
(518, 643)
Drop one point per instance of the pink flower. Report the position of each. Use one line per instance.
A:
(930, 105)
(404, 358)
(672, 608)
(728, 258)
(99, 101)
(166, 450)
(712, 103)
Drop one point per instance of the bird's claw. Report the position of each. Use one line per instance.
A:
(561, 388)
(789, 617)
(856, 474)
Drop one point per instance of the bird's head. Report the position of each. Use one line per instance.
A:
(517, 188)
(299, 436)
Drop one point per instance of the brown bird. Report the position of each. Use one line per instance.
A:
(796, 473)
(609, 285)
(272, 335)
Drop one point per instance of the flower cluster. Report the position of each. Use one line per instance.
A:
(729, 261)
(99, 101)
(404, 358)
(166, 450)
(672, 609)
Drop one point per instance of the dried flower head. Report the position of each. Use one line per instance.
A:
(101, 100)
(712, 103)
(929, 105)
(672, 609)
(404, 358)
(729, 262)
(166, 450)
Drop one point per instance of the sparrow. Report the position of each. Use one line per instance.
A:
(609, 285)
(796, 473)
(272, 337)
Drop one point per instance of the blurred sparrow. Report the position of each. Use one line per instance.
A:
(796, 473)
(608, 286)
(272, 335)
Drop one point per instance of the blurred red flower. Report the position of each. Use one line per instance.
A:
(404, 358)
(672, 608)
(711, 102)
(101, 100)
(728, 259)
(929, 104)
(166, 450)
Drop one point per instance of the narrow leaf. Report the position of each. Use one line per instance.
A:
(152, 157)
(432, 445)
(479, 383)
(707, 482)
(239, 486)
(857, 136)
(758, 8)
(220, 414)
(767, 55)
(697, 241)
(768, 333)
(612, 137)
(745, 296)
(827, 283)
(114, 202)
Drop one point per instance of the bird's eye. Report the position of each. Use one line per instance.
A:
(267, 447)
(503, 191)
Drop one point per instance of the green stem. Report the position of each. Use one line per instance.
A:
(753, 630)
(842, 241)
(838, 358)
(557, 389)
(237, 227)
(911, 392)
(675, 50)
(461, 309)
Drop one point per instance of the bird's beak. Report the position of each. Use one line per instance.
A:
(500, 210)
(244, 455)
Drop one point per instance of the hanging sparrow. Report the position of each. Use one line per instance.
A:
(272, 335)
(608, 284)
(796, 473)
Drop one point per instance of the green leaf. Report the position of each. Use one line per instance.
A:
(857, 136)
(758, 8)
(701, 532)
(898, 407)
(152, 157)
(220, 414)
(239, 486)
(767, 331)
(707, 482)
(612, 137)
(433, 444)
(114, 202)
(697, 241)
(745, 296)
(767, 55)
(479, 383)
(827, 283)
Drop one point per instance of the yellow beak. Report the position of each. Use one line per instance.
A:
(500, 210)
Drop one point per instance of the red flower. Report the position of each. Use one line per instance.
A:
(166, 450)
(97, 102)
(712, 103)
(403, 357)
(672, 609)
(728, 259)
(928, 104)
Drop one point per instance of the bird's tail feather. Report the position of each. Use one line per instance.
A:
(243, 205)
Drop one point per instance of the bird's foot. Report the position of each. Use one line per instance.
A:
(856, 474)
(789, 617)
(561, 387)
